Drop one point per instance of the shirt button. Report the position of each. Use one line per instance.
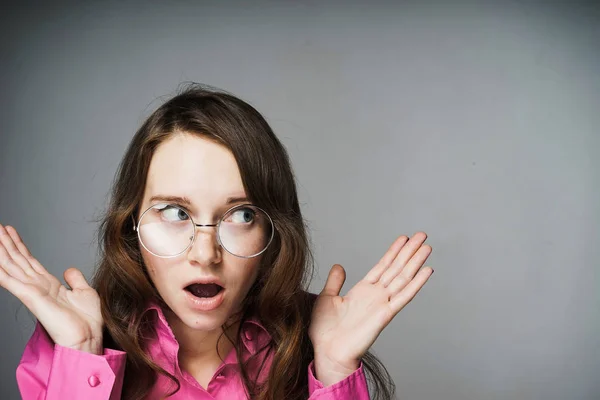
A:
(93, 381)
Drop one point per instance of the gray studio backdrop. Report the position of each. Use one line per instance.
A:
(476, 122)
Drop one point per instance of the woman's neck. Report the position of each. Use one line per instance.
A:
(197, 346)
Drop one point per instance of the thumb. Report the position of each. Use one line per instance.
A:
(75, 279)
(335, 281)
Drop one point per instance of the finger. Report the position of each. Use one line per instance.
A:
(75, 279)
(335, 281)
(406, 273)
(400, 300)
(7, 265)
(375, 273)
(13, 252)
(404, 255)
(15, 286)
(33, 262)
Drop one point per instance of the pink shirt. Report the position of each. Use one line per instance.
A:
(51, 372)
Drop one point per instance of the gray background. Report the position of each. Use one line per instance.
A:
(476, 122)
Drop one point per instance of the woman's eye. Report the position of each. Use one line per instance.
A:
(243, 216)
(174, 214)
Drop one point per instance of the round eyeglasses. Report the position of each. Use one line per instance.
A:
(167, 230)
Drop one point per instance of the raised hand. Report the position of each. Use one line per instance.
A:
(343, 328)
(72, 316)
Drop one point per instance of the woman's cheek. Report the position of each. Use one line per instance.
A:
(153, 272)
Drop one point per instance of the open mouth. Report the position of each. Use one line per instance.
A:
(204, 290)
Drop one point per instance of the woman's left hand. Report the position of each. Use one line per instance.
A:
(343, 328)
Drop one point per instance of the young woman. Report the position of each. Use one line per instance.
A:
(200, 288)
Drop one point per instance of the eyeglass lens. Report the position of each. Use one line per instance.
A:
(167, 230)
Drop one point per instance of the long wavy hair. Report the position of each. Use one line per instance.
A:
(278, 298)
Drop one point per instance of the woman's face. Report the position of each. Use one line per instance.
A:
(206, 174)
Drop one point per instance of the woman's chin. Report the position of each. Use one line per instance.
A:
(193, 316)
(204, 321)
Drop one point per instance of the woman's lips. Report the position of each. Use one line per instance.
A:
(204, 303)
(205, 280)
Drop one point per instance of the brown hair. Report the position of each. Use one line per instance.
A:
(278, 297)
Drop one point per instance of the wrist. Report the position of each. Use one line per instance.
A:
(330, 371)
(92, 346)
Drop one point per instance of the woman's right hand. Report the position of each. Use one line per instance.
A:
(71, 317)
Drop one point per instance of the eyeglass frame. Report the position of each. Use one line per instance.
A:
(136, 227)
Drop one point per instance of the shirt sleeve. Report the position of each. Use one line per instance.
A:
(48, 371)
(353, 387)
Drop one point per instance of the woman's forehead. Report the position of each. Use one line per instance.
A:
(193, 167)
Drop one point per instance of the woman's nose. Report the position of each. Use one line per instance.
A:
(206, 249)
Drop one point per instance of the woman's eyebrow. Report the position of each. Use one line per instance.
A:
(186, 201)
(231, 200)
(172, 199)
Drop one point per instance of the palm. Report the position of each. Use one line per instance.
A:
(344, 327)
(70, 316)
(348, 325)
